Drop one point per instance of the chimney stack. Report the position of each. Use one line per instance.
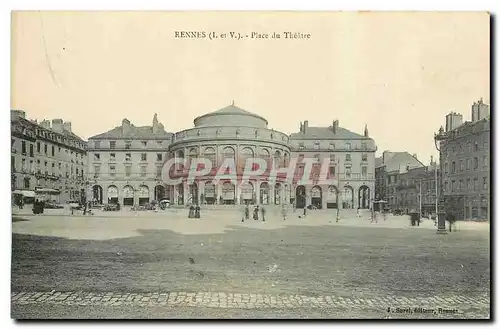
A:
(17, 113)
(45, 124)
(306, 125)
(67, 126)
(335, 126)
(125, 126)
(57, 125)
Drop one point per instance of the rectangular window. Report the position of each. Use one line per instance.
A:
(332, 157)
(476, 183)
(485, 161)
(97, 144)
(32, 153)
(159, 143)
(364, 171)
(347, 172)
(97, 171)
(347, 157)
(364, 146)
(332, 170)
(112, 156)
(23, 147)
(112, 144)
(128, 145)
(364, 157)
(112, 171)
(45, 148)
(461, 184)
(476, 146)
(158, 171)
(467, 164)
(159, 157)
(485, 183)
(316, 157)
(53, 150)
(38, 147)
(144, 143)
(476, 163)
(331, 146)
(143, 171)
(144, 156)
(348, 146)
(316, 145)
(468, 184)
(128, 170)
(128, 157)
(97, 157)
(301, 145)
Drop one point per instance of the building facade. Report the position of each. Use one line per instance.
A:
(46, 158)
(351, 164)
(230, 135)
(416, 190)
(235, 135)
(390, 166)
(125, 164)
(465, 163)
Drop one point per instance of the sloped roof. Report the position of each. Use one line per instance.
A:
(145, 132)
(327, 133)
(231, 110)
(397, 160)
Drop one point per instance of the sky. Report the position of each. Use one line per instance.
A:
(397, 73)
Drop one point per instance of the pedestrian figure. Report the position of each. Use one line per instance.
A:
(305, 211)
(191, 212)
(283, 211)
(247, 212)
(256, 213)
(21, 203)
(358, 213)
(197, 212)
(263, 210)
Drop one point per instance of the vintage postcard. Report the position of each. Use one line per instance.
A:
(250, 165)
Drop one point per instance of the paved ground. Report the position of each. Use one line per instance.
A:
(123, 265)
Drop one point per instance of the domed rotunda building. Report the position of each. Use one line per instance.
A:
(230, 132)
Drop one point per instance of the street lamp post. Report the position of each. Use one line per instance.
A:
(441, 229)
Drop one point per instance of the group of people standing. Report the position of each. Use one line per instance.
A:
(262, 210)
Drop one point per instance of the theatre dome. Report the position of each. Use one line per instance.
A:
(231, 116)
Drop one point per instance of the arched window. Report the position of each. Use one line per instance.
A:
(228, 153)
(277, 158)
(209, 154)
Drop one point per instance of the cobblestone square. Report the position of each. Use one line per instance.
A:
(312, 268)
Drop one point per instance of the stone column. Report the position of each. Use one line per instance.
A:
(324, 194)
(237, 191)
(272, 194)
(219, 192)
(257, 191)
(186, 192)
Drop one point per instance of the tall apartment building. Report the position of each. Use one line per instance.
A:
(125, 164)
(46, 158)
(351, 159)
(390, 166)
(465, 163)
(417, 189)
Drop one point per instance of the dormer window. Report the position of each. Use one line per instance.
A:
(301, 145)
(316, 145)
(331, 146)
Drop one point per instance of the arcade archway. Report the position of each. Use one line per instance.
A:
(143, 194)
(348, 197)
(300, 196)
(332, 195)
(316, 197)
(97, 194)
(160, 192)
(247, 193)
(128, 195)
(209, 194)
(112, 194)
(228, 193)
(364, 197)
(264, 193)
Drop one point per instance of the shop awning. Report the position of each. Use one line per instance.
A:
(25, 193)
(47, 191)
